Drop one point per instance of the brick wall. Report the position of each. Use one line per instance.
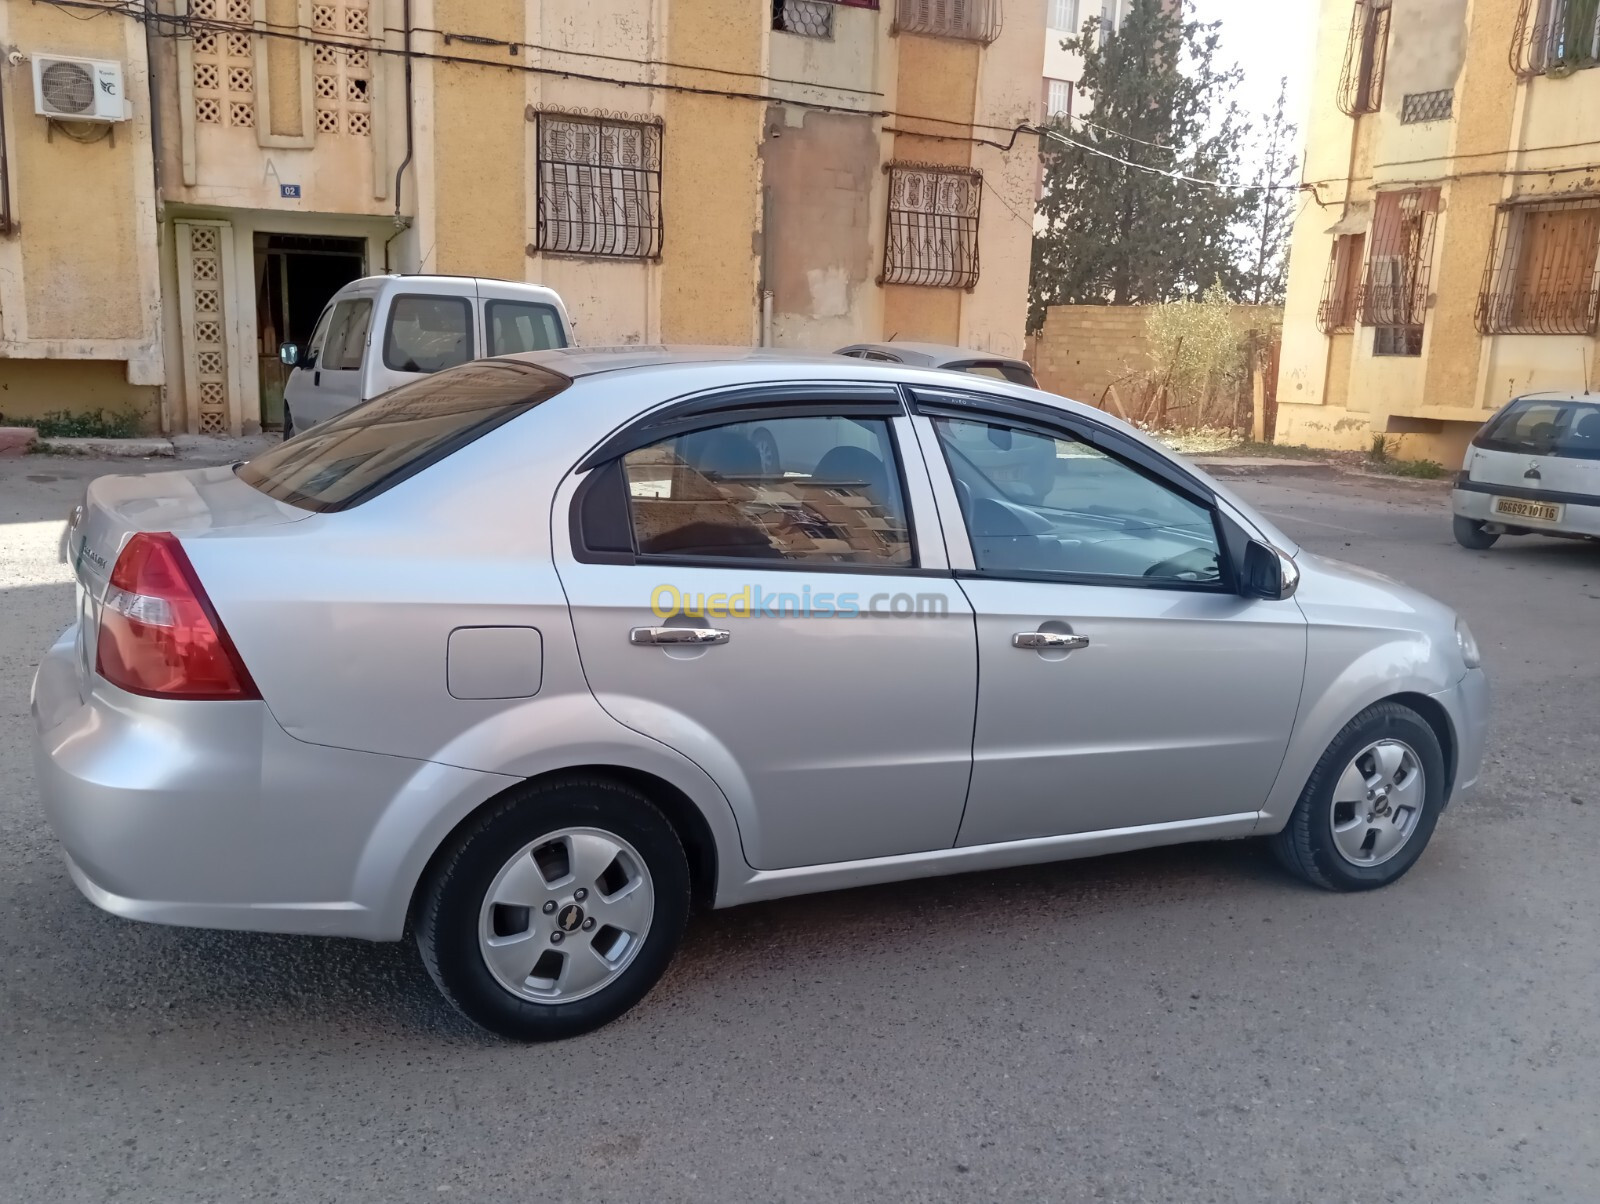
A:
(1085, 351)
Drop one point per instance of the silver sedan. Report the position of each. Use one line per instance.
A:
(533, 656)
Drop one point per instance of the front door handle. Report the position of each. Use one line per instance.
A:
(690, 637)
(1048, 639)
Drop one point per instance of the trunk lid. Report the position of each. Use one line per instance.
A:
(1559, 474)
(188, 503)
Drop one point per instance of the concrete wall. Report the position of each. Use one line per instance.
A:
(1085, 350)
(1506, 140)
(277, 132)
(79, 276)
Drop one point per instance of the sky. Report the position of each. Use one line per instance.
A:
(1269, 39)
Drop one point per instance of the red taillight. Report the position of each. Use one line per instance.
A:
(158, 632)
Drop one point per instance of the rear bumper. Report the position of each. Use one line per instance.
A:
(208, 814)
(1580, 512)
(1467, 705)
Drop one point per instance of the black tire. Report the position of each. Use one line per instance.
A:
(446, 921)
(288, 422)
(1470, 534)
(1306, 845)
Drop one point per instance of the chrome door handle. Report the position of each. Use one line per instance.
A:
(680, 636)
(1048, 639)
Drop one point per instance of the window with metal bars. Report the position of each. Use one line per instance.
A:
(811, 18)
(599, 186)
(1543, 272)
(1416, 107)
(933, 225)
(1337, 312)
(967, 20)
(1365, 57)
(1394, 288)
(1556, 37)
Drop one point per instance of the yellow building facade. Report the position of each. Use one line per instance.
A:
(802, 174)
(1446, 256)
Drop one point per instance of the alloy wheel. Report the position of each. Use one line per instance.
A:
(1377, 802)
(566, 915)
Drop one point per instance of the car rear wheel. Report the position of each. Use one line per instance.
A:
(1370, 805)
(1470, 534)
(556, 911)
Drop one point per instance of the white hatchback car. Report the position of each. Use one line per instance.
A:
(1533, 469)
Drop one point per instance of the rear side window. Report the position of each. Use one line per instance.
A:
(428, 334)
(1545, 428)
(347, 335)
(361, 453)
(521, 326)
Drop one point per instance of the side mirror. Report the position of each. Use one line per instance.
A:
(289, 354)
(1267, 573)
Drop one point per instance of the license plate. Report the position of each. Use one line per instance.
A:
(1517, 508)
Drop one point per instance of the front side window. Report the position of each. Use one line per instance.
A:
(516, 326)
(599, 187)
(428, 334)
(1394, 291)
(933, 226)
(1037, 504)
(346, 339)
(1543, 275)
(1365, 58)
(1545, 428)
(829, 493)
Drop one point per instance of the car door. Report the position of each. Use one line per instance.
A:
(796, 633)
(1122, 681)
(336, 366)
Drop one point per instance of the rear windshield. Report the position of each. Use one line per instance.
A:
(1016, 374)
(1537, 427)
(346, 460)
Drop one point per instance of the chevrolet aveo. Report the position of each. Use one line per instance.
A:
(530, 657)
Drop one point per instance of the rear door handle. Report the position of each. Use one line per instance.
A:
(1048, 639)
(680, 636)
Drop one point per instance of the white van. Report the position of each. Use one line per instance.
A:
(380, 332)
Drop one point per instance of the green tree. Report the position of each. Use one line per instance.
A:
(1113, 232)
(1267, 261)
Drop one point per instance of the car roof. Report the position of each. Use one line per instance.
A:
(408, 279)
(1558, 395)
(576, 362)
(934, 354)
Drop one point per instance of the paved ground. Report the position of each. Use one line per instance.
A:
(1183, 1025)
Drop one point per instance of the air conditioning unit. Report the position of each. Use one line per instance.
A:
(71, 89)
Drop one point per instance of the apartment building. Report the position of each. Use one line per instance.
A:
(1446, 256)
(802, 173)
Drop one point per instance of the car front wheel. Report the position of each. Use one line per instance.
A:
(1470, 534)
(1370, 805)
(556, 911)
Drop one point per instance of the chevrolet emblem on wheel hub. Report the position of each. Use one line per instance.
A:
(569, 918)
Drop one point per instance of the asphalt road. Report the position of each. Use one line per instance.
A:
(1181, 1025)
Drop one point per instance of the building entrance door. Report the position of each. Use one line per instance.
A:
(295, 276)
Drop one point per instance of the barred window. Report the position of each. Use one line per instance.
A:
(811, 18)
(1543, 272)
(1556, 37)
(599, 186)
(1339, 288)
(968, 20)
(1394, 290)
(933, 226)
(1365, 57)
(1416, 107)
